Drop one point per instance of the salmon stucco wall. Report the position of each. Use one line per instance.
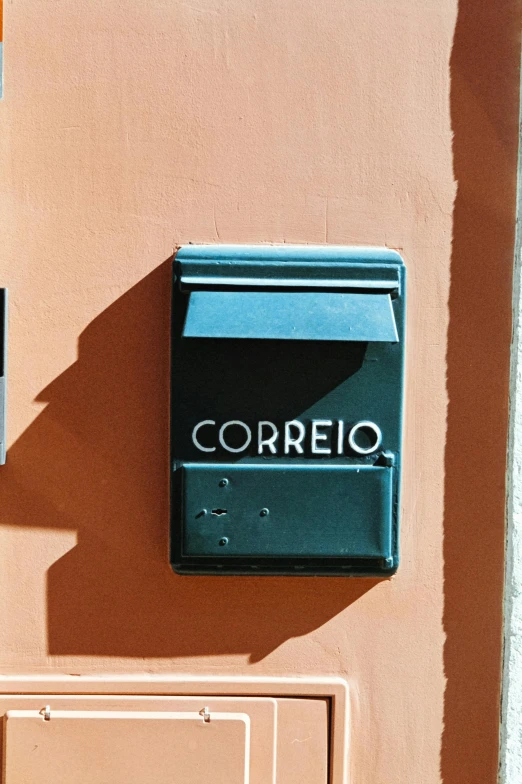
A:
(129, 127)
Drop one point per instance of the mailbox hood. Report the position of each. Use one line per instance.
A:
(290, 293)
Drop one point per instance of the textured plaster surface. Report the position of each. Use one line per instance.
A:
(511, 729)
(129, 127)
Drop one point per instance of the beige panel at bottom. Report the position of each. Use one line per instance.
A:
(136, 739)
(109, 747)
(302, 741)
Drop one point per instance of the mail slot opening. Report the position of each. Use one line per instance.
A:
(287, 369)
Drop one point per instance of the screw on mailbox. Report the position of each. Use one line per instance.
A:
(223, 482)
(223, 542)
(264, 512)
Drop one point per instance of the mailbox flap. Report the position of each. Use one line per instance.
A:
(291, 316)
(287, 510)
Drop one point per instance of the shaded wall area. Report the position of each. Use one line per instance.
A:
(484, 72)
(101, 445)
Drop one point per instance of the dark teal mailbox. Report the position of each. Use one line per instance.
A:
(287, 394)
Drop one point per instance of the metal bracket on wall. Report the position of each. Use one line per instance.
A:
(3, 371)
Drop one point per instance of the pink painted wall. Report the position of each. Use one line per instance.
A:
(132, 126)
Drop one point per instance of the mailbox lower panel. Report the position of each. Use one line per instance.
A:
(286, 518)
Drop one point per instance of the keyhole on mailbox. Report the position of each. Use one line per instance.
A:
(219, 512)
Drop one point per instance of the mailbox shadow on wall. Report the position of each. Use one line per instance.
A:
(102, 451)
(287, 375)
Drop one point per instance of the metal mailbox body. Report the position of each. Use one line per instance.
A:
(286, 410)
